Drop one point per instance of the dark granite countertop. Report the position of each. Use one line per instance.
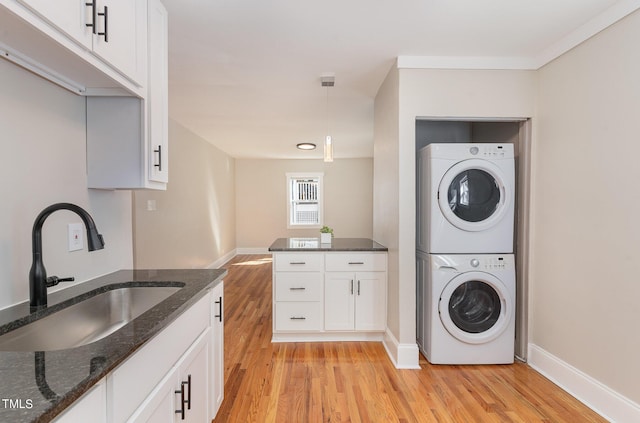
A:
(37, 386)
(337, 244)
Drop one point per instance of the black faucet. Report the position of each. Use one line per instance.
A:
(38, 281)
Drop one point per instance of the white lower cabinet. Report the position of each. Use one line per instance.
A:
(177, 376)
(182, 395)
(217, 349)
(91, 407)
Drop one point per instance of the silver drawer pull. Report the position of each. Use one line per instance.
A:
(356, 262)
(297, 262)
(297, 318)
(295, 288)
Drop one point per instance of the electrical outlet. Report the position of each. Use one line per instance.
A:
(76, 241)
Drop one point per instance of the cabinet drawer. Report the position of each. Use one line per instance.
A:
(298, 286)
(356, 262)
(298, 262)
(298, 316)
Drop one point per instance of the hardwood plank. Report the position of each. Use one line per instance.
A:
(356, 381)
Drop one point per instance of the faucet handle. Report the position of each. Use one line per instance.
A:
(54, 280)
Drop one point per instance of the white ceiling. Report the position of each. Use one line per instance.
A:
(245, 74)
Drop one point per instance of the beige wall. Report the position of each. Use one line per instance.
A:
(193, 225)
(386, 193)
(586, 204)
(427, 93)
(261, 206)
(42, 161)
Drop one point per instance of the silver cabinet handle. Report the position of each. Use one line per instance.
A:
(351, 288)
(358, 287)
(356, 262)
(295, 288)
(297, 318)
(297, 262)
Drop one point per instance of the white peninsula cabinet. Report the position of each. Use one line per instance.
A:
(326, 293)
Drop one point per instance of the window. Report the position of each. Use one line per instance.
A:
(304, 200)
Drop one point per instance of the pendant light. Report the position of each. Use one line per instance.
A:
(328, 82)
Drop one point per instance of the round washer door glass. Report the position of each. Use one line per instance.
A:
(475, 307)
(473, 195)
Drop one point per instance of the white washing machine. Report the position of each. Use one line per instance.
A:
(466, 194)
(469, 308)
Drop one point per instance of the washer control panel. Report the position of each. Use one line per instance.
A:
(490, 263)
(473, 262)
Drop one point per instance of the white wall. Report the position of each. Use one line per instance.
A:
(42, 161)
(193, 225)
(427, 93)
(261, 199)
(586, 206)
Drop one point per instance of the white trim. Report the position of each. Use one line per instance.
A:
(602, 21)
(326, 336)
(252, 250)
(593, 393)
(465, 62)
(607, 18)
(403, 356)
(222, 260)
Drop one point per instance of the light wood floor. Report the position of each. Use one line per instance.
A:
(356, 381)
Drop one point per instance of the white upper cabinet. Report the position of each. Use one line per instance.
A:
(114, 30)
(87, 46)
(158, 92)
(127, 137)
(68, 16)
(120, 39)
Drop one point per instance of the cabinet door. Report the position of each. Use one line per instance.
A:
(160, 406)
(193, 388)
(157, 94)
(339, 292)
(371, 301)
(123, 24)
(217, 349)
(68, 16)
(91, 407)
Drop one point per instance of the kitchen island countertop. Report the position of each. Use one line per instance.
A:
(37, 386)
(337, 244)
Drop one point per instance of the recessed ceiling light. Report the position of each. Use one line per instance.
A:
(306, 146)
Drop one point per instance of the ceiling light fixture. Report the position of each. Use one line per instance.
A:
(328, 81)
(306, 146)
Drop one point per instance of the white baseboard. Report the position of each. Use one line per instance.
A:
(253, 250)
(222, 260)
(595, 395)
(403, 356)
(327, 337)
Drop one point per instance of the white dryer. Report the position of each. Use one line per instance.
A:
(469, 309)
(466, 195)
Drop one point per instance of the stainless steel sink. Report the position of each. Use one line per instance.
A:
(87, 321)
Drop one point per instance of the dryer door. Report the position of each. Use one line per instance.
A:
(473, 195)
(475, 307)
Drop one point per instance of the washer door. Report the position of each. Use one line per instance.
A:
(473, 195)
(475, 307)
